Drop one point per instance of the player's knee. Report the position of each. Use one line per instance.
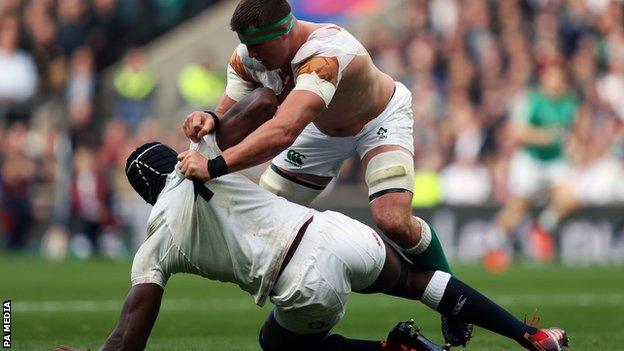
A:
(389, 172)
(394, 224)
(288, 187)
(412, 282)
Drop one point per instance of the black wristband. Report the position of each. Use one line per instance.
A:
(217, 167)
(214, 118)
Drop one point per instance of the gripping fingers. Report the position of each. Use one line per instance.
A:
(207, 127)
(186, 127)
(198, 121)
(193, 124)
(183, 167)
(182, 155)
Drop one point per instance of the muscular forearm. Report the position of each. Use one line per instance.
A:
(114, 342)
(136, 320)
(258, 147)
(277, 134)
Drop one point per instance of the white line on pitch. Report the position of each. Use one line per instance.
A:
(557, 300)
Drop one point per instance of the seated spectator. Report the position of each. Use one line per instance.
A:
(199, 86)
(135, 85)
(16, 180)
(90, 196)
(18, 76)
(73, 24)
(466, 181)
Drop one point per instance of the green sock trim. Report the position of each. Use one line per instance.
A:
(433, 257)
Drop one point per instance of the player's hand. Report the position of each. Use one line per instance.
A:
(69, 348)
(193, 165)
(197, 124)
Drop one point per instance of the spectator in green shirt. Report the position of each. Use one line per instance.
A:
(199, 87)
(134, 85)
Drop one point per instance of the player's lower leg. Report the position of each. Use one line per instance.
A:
(392, 213)
(420, 243)
(403, 337)
(428, 254)
(497, 257)
(541, 235)
(452, 297)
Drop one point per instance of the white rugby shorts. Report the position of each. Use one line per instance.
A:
(528, 176)
(336, 256)
(316, 153)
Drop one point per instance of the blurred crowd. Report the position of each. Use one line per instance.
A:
(64, 148)
(475, 68)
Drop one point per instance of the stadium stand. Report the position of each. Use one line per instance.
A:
(471, 65)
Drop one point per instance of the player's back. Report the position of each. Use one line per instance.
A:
(229, 228)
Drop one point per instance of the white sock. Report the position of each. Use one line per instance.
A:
(435, 289)
(425, 239)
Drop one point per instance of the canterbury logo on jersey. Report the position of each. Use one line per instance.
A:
(382, 133)
(295, 158)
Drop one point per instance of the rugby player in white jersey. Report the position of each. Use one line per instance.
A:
(334, 103)
(305, 262)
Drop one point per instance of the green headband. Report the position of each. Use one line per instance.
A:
(269, 32)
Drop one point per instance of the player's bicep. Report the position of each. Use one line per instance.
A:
(299, 109)
(224, 105)
(319, 75)
(239, 81)
(237, 87)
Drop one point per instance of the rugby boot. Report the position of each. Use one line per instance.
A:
(456, 333)
(549, 339)
(406, 337)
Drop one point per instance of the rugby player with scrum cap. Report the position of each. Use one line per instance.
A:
(304, 261)
(334, 103)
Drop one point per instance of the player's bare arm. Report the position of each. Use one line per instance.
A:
(224, 105)
(298, 110)
(197, 124)
(135, 323)
(256, 107)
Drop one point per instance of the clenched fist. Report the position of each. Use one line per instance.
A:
(198, 124)
(193, 165)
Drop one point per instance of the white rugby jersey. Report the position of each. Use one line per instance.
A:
(227, 229)
(317, 66)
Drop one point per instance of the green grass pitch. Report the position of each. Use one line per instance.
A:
(77, 303)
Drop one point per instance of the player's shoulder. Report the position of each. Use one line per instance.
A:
(240, 58)
(328, 40)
